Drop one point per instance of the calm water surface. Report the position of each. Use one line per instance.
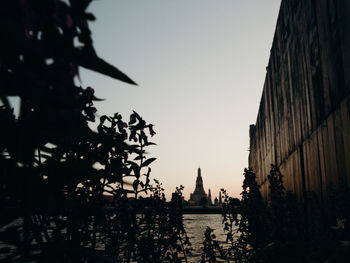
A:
(195, 226)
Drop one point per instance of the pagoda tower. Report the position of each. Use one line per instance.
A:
(199, 192)
(209, 197)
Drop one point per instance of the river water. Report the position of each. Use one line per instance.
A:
(195, 226)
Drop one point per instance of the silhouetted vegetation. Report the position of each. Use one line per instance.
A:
(56, 171)
(210, 246)
(279, 230)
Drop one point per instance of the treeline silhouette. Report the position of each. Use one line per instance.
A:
(55, 170)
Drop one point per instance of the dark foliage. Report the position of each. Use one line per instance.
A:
(340, 205)
(245, 222)
(285, 212)
(210, 247)
(253, 212)
(278, 231)
(55, 171)
(149, 230)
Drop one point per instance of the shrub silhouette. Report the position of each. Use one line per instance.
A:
(276, 231)
(55, 170)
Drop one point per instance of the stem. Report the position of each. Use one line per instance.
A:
(141, 162)
(182, 246)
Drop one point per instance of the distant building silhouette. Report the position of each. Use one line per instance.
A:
(209, 198)
(199, 197)
(216, 201)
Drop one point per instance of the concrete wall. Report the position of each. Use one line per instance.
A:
(303, 123)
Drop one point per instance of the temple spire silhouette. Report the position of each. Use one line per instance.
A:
(199, 194)
(209, 197)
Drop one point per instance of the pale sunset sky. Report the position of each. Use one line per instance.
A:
(200, 66)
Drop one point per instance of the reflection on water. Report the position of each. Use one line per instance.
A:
(195, 226)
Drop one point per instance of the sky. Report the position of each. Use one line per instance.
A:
(200, 66)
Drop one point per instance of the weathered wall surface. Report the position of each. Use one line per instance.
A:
(303, 123)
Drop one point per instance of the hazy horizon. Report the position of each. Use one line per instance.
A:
(200, 66)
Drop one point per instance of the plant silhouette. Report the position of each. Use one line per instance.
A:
(276, 230)
(55, 170)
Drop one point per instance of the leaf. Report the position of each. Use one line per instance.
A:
(150, 143)
(147, 176)
(135, 184)
(135, 167)
(87, 58)
(149, 161)
(90, 16)
(136, 114)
